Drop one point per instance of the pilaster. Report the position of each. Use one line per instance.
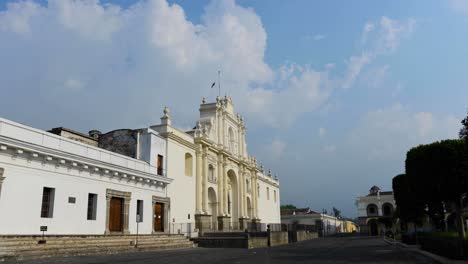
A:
(241, 191)
(225, 187)
(198, 192)
(204, 180)
(1, 180)
(220, 185)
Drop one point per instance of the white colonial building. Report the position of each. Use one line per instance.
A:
(375, 211)
(159, 178)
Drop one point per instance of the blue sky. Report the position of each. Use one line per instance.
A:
(334, 92)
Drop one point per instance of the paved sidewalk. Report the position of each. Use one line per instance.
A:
(418, 250)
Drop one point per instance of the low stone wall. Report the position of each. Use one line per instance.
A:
(304, 235)
(278, 238)
(223, 242)
(258, 242)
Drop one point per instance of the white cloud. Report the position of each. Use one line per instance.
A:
(329, 149)
(148, 55)
(355, 65)
(377, 40)
(316, 37)
(368, 27)
(460, 6)
(275, 149)
(319, 37)
(322, 132)
(388, 133)
(376, 76)
(18, 17)
(73, 85)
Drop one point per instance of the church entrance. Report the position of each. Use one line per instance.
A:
(374, 229)
(116, 215)
(233, 199)
(159, 217)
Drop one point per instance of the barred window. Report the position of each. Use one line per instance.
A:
(92, 206)
(47, 208)
(139, 210)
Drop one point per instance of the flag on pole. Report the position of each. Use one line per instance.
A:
(213, 85)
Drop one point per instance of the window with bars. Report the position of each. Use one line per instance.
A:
(47, 208)
(92, 206)
(139, 210)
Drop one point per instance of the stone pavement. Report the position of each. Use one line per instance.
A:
(323, 250)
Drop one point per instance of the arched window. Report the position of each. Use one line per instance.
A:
(211, 174)
(268, 193)
(387, 209)
(372, 210)
(188, 164)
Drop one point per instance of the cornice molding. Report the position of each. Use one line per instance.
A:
(64, 159)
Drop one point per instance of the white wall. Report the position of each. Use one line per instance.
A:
(21, 199)
(268, 209)
(182, 190)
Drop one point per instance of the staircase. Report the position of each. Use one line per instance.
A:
(30, 247)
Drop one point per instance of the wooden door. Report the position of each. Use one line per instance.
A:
(159, 217)
(115, 215)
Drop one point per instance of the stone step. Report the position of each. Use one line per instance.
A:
(85, 246)
(88, 240)
(13, 242)
(65, 237)
(16, 247)
(34, 254)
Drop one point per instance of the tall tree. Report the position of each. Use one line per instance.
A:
(464, 130)
(408, 209)
(336, 212)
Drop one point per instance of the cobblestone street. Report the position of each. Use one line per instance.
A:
(328, 250)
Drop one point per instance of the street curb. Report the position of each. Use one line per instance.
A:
(437, 258)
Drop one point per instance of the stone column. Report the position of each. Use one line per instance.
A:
(220, 134)
(255, 198)
(223, 125)
(126, 216)
(1, 180)
(198, 189)
(204, 180)
(108, 198)
(244, 144)
(241, 192)
(225, 187)
(240, 149)
(220, 185)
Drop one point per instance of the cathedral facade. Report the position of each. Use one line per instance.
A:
(155, 179)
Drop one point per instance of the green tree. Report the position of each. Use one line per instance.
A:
(408, 209)
(437, 175)
(288, 206)
(336, 212)
(464, 130)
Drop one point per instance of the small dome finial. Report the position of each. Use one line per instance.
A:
(203, 100)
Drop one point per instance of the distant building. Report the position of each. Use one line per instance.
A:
(325, 224)
(375, 211)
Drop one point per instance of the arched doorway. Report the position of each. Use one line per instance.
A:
(249, 208)
(373, 227)
(212, 207)
(233, 198)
